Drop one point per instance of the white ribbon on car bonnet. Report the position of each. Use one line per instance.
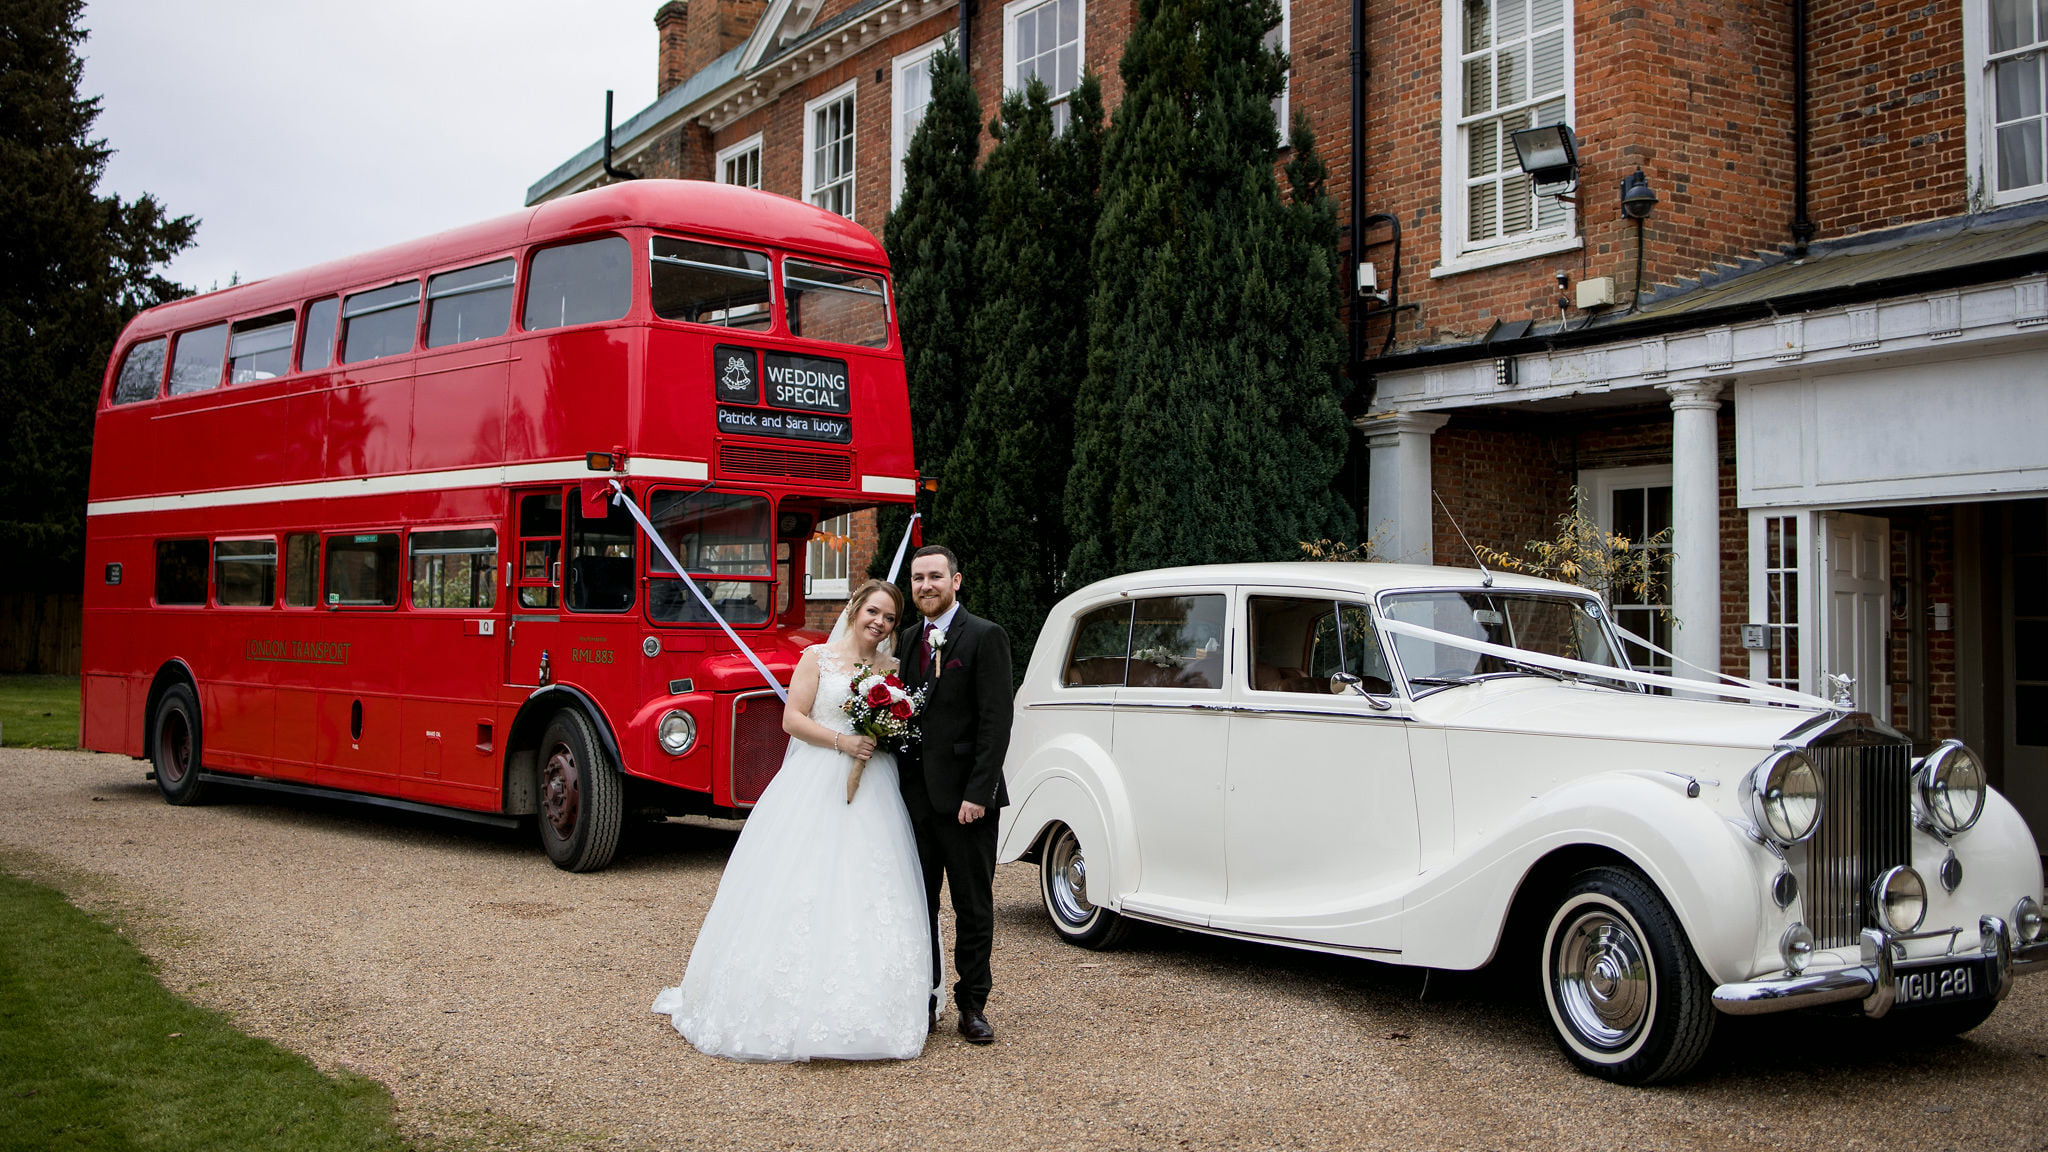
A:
(1737, 688)
(619, 496)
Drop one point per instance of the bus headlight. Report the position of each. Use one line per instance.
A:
(677, 731)
(1785, 797)
(1950, 782)
(1900, 896)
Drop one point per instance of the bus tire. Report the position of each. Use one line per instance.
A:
(582, 798)
(175, 746)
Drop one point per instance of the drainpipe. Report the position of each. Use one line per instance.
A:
(1357, 305)
(966, 27)
(1802, 226)
(614, 173)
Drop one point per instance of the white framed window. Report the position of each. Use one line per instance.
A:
(910, 94)
(1046, 39)
(1511, 69)
(828, 565)
(2005, 52)
(828, 150)
(1281, 39)
(1636, 503)
(741, 163)
(1782, 596)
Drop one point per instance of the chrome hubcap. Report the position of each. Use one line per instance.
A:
(1066, 881)
(1602, 979)
(560, 795)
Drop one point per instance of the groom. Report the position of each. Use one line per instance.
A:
(953, 779)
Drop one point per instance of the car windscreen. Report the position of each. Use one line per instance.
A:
(1572, 627)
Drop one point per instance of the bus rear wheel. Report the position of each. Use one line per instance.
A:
(175, 746)
(582, 798)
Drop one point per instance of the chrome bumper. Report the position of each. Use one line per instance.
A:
(1875, 981)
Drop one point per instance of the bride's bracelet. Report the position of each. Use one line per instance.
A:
(835, 741)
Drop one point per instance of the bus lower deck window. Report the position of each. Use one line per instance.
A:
(245, 572)
(181, 571)
(362, 570)
(456, 569)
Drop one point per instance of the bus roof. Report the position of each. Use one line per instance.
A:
(698, 207)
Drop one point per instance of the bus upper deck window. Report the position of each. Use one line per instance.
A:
(836, 304)
(584, 283)
(380, 322)
(261, 349)
(710, 284)
(469, 304)
(142, 372)
(197, 358)
(320, 320)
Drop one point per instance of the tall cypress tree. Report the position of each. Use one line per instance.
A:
(75, 266)
(1208, 428)
(930, 240)
(1028, 343)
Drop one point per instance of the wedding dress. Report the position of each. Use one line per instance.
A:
(817, 944)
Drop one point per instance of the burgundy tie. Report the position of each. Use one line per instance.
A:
(924, 649)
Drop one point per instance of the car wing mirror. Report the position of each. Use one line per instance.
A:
(1349, 683)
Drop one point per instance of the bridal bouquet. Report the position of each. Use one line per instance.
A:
(883, 710)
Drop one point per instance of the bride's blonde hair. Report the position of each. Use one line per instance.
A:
(860, 597)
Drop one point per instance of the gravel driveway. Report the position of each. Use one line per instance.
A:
(505, 1003)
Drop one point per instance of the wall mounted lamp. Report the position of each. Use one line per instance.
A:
(1549, 153)
(1637, 200)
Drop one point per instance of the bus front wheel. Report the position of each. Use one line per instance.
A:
(582, 798)
(175, 746)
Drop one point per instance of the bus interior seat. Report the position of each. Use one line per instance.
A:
(601, 583)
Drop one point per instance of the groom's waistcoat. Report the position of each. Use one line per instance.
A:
(965, 726)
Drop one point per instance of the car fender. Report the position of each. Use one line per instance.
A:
(1706, 868)
(1071, 780)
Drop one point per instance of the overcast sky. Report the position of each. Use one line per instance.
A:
(298, 132)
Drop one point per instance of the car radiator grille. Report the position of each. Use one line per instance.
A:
(1866, 827)
(758, 743)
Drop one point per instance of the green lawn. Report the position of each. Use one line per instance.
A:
(95, 1054)
(39, 711)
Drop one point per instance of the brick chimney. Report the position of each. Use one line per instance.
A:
(672, 31)
(693, 33)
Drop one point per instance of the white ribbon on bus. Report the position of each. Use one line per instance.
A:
(1735, 687)
(896, 565)
(619, 496)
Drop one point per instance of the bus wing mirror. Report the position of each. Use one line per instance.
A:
(597, 494)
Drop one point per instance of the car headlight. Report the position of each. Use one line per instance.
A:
(1795, 947)
(677, 731)
(1950, 782)
(1785, 797)
(1900, 896)
(2026, 920)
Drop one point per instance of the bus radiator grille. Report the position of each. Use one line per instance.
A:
(779, 462)
(758, 743)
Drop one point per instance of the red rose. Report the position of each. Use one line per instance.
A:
(878, 696)
(902, 710)
(892, 681)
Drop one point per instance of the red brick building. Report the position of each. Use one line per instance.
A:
(1819, 354)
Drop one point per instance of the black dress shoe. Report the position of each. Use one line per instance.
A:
(974, 1026)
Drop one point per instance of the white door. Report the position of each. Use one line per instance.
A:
(1171, 732)
(1855, 564)
(1319, 806)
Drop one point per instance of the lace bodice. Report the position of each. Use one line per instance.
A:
(835, 684)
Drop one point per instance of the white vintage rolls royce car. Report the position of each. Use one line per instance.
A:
(1427, 765)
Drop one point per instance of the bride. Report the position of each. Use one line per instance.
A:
(817, 944)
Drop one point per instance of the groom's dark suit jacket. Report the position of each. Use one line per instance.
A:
(966, 720)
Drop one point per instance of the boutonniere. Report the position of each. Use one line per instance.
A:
(936, 637)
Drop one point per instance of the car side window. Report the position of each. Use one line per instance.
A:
(1177, 642)
(1298, 644)
(1102, 641)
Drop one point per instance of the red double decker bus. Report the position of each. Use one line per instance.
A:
(348, 529)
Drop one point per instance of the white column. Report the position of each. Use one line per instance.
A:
(1397, 517)
(1696, 523)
